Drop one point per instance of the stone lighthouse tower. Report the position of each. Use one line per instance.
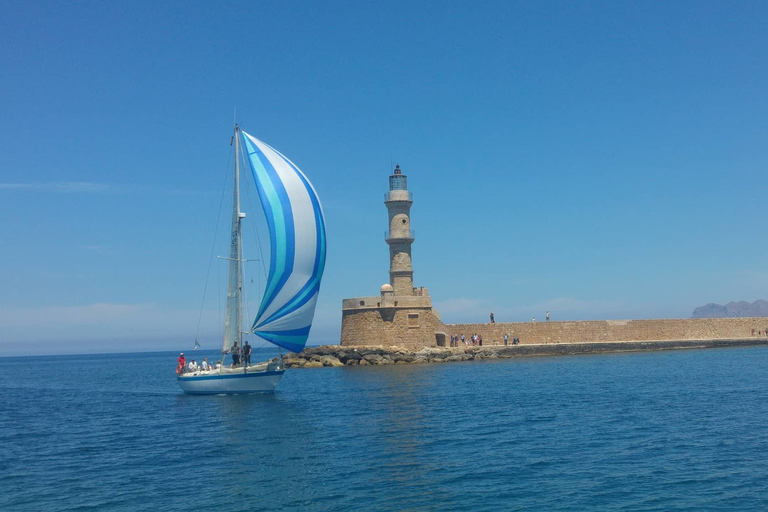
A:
(401, 315)
(399, 236)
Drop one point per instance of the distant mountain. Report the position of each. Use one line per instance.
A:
(732, 309)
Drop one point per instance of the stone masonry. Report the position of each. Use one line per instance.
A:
(614, 330)
(409, 322)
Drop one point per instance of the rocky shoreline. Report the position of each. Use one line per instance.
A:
(337, 355)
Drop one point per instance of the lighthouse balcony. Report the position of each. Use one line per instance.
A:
(398, 195)
(400, 234)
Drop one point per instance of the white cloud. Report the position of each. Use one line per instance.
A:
(61, 186)
(87, 187)
(104, 321)
(110, 327)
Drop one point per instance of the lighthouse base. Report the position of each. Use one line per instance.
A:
(392, 320)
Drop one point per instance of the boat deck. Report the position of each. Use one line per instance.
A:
(225, 370)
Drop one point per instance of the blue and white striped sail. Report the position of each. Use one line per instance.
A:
(297, 244)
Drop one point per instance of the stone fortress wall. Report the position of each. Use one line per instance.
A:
(369, 328)
(613, 330)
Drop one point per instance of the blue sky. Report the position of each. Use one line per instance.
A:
(598, 159)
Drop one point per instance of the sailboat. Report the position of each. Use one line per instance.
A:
(296, 263)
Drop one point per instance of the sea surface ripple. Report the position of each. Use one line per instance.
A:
(677, 430)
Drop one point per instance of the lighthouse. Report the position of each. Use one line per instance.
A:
(401, 315)
(399, 236)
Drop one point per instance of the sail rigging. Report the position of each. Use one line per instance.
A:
(297, 246)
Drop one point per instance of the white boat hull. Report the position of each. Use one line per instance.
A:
(229, 383)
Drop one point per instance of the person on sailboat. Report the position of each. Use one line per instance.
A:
(246, 354)
(235, 355)
(204, 365)
(182, 361)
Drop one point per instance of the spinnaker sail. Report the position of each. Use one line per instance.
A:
(297, 246)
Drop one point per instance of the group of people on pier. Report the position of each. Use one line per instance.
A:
(476, 340)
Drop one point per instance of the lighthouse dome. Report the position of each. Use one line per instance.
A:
(386, 288)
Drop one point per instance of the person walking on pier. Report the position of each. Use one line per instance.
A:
(547, 316)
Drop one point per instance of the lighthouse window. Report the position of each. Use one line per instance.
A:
(398, 183)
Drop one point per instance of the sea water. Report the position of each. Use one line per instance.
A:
(675, 430)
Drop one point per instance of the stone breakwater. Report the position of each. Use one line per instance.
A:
(337, 355)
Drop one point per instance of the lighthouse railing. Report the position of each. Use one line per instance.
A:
(411, 234)
(399, 193)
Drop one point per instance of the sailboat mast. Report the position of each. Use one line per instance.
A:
(240, 217)
(233, 321)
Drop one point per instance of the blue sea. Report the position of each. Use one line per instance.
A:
(674, 430)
